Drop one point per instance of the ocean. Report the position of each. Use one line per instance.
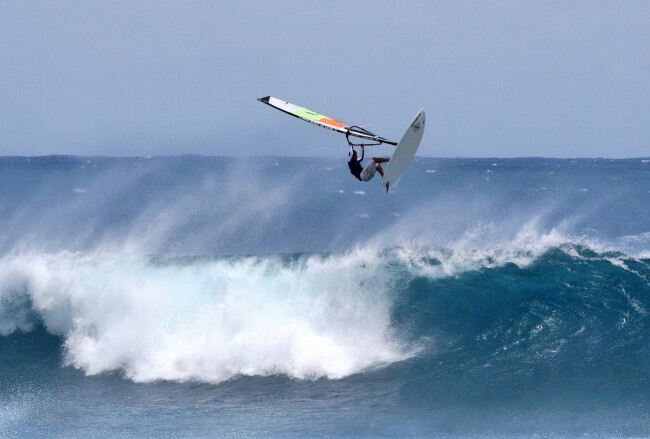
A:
(182, 297)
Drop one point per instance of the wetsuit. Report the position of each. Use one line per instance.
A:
(355, 164)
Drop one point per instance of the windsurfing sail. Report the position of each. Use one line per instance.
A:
(324, 121)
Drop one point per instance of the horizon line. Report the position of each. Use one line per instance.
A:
(157, 156)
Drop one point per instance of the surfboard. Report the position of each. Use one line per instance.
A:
(405, 151)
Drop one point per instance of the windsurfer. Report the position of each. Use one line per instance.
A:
(364, 173)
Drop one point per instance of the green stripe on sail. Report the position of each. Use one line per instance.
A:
(306, 113)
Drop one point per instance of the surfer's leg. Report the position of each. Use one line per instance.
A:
(369, 171)
(380, 170)
(380, 159)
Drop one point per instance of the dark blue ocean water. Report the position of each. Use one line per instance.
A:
(279, 297)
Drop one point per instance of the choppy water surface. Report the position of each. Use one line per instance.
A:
(203, 297)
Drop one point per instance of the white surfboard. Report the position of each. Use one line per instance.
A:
(405, 151)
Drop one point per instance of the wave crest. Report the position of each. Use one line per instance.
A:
(208, 320)
(213, 319)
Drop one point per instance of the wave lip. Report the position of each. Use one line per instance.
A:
(483, 247)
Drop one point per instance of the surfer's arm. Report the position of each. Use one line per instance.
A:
(363, 151)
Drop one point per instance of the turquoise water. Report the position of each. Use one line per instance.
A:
(213, 297)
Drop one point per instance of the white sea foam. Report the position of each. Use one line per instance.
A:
(207, 320)
(474, 250)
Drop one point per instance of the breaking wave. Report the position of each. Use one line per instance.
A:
(206, 320)
(212, 319)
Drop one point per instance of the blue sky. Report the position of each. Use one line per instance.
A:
(543, 78)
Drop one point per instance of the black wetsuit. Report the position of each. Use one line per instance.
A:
(355, 165)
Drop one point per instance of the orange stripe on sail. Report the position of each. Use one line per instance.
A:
(332, 122)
